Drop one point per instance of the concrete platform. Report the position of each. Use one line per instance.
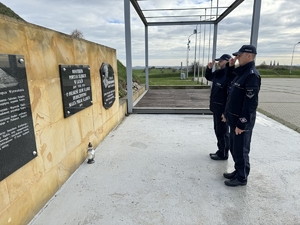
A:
(155, 169)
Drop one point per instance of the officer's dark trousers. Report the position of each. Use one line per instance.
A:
(222, 134)
(240, 148)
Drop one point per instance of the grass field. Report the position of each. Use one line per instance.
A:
(279, 71)
(172, 77)
(166, 77)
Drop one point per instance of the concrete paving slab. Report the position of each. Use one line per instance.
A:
(155, 169)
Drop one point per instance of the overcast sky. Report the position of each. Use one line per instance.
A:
(102, 22)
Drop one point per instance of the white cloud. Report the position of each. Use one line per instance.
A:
(103, 22)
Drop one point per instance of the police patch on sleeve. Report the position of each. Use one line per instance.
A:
(243, 120)
(249, 93)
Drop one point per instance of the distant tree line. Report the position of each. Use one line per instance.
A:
(162, 69)
(272, 65)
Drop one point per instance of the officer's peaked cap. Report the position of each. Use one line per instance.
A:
(224, 57)
(246, 48)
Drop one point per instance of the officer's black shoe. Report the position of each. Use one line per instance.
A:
(229, 175)
(235, 182)
(212, 154)
(216, 157)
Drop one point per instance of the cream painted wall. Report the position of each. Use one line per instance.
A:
(61, 142)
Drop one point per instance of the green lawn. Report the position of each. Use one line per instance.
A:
(171, 77)
(166, 77)
(279, 71)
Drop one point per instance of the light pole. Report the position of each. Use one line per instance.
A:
(187, 58)
(293, 56)
(187, 55)
(195, 32)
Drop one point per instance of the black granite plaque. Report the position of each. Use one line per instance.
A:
(17, 139)
(76, 88)
(108, 85)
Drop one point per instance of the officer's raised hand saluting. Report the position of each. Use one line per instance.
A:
(232, 61)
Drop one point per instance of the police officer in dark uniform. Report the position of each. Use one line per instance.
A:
(240, 112)
(218, 98)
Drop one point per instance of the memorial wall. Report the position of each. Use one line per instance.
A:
(57, 94)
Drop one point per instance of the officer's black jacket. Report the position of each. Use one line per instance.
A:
(243, 98)
(218, 94)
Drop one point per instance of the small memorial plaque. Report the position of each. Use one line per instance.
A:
(17, 139)
(108, 85)
(76, 88)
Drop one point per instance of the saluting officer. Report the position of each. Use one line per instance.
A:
(218, 98)
(240, 112)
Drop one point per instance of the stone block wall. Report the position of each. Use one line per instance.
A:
(61, 142)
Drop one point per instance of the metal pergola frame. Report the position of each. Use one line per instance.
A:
(170, 20)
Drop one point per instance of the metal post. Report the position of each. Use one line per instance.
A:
(128, 55)
(217, 13)
(215, 34)
(181, 71)
(195, 31)
(209, 37)
(209, 33)
(187, 57)
(293, 57)
(146, 58)
(215, 42)
(255, 22)
(199, 53)
(203, 49)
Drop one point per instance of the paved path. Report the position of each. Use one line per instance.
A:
(280, 100)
